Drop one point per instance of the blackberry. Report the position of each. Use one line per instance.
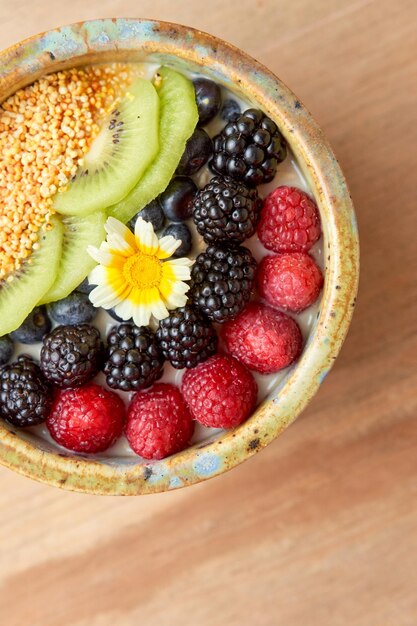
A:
(186, 337)
(222, 280)
(226, 210)
(249, 149)
(71, 355)
(25, 396)
(134, 360)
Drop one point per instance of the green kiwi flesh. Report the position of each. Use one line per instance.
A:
(178, 119)
(126, 144)
(19, 296)
(75, 263)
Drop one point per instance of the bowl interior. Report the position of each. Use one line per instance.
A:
(185, 49)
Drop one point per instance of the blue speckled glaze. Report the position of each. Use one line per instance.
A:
(134, 39)
(207, 464)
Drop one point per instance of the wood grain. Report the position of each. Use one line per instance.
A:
(321, 527)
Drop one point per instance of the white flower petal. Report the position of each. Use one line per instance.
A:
(180, 272)
(167, 246)
(176, 300)
(104, 296)
(146, 239)
(100, 255)
(142, 314)
(113, 225)
(98, 275)
(125, 309)
(117, 242)
(159, 310)
(183, 261)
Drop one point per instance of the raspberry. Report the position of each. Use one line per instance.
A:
(159, 422)
(290, 221)
(87, 419)
(263, 339)
(290, 281)
(220, 392)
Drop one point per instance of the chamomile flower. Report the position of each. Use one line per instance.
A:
(135, 274)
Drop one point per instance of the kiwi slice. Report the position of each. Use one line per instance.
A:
(125, 146)
(20, 296)
(179, 117)
(75, 263)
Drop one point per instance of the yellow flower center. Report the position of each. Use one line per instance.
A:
(143, 271)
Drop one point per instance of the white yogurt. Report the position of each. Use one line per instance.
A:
(288, 173)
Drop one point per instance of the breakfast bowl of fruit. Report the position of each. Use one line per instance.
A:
(178, 257)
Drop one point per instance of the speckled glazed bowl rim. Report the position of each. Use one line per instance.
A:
(132, 39)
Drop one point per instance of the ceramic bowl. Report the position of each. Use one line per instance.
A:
(135, 39)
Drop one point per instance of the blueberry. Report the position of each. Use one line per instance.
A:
(230, 110)
(35, 326)
(182, 232)
(208, 98)
(6, 349)
(177, 199)
(85, 287)
(74, 309)
(152, 213)
(197, 152)
(114, 315)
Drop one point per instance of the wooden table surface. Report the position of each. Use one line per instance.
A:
(320, 529)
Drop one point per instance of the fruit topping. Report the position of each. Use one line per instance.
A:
(209, 99)
(177, 199)
(159, 423)
(135, 277)
(25, 397)
(71, 355)
(226, 210)
(88, 419)
(6, 349)
(263, 339)
(85, 287)
(290, 281)
(181, 232)
(220, 393)
(118, 157)
(133, 359)
(178, 119)
(75, 263)
(198, 150)
(186, 337)
(222, 281)
(290, 221)
(74, 309)
(152, 213)
(45, 129)
(249, 149)
(230, 110)
(35, 326)
(20, 295)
